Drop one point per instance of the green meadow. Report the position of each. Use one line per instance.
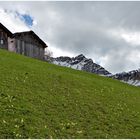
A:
(42, 100)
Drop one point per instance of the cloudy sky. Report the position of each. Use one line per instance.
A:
(107, 32)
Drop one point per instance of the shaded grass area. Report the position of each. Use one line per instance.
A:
(41, 100)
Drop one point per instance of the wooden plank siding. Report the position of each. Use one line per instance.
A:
(3, 39)
(11, 44)
(4, 35)
(29, 46)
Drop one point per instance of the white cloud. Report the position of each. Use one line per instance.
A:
(132, 37)
(58, 52)
(11, 20)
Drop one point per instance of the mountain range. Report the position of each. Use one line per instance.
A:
(131, 77)
(80, 62)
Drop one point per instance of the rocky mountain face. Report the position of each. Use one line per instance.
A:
(131, 77)
(79, 62)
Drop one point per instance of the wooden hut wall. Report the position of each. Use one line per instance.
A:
(3, 39)
(11, 44)
(29, 46)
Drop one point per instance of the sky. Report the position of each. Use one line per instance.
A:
(107, 32)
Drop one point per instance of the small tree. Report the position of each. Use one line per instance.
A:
(48, 53)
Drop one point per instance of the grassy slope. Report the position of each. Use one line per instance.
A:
(41, 100)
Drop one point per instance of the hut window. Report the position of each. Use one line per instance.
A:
(1, 42)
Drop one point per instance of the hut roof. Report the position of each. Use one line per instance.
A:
(33, 34)
(6, 30)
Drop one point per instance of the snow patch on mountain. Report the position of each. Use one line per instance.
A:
(79, 62)
(133, 82)
(131, 77)
(66, 64)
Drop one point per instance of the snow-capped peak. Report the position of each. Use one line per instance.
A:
(80, 62)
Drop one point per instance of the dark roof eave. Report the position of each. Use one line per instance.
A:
(31, 32)
(6, 30)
